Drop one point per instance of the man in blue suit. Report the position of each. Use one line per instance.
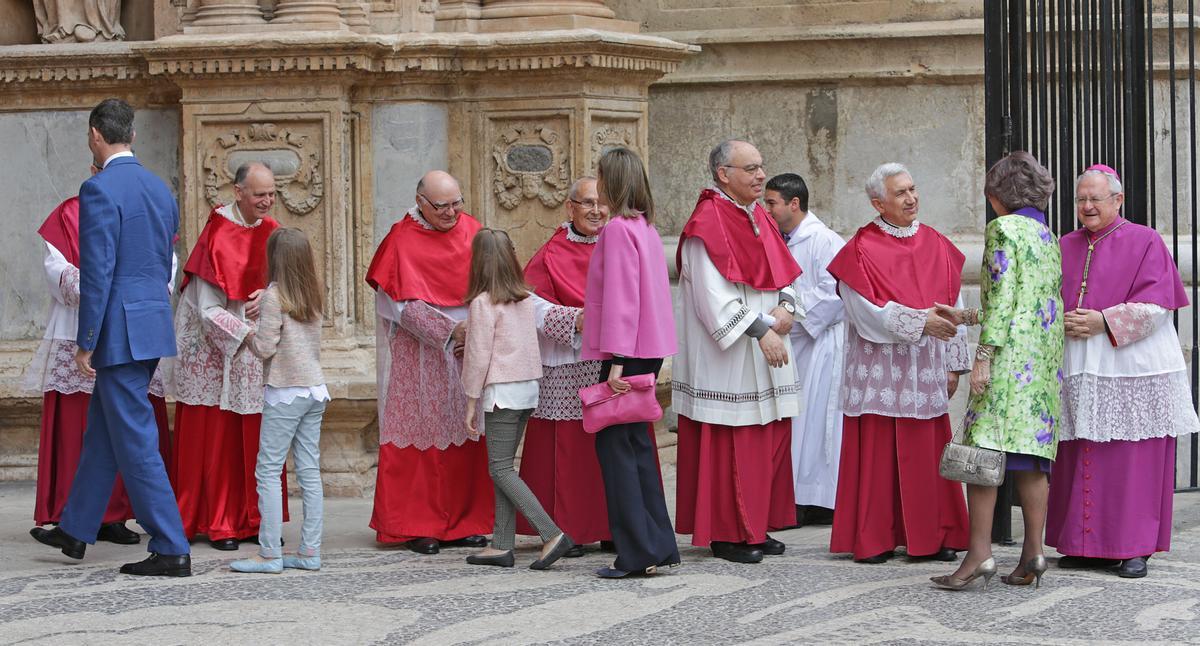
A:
(127, 224)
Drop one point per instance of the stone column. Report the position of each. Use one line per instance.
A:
(223, 16)
(354, 13)
(528, 15)
(309, 15)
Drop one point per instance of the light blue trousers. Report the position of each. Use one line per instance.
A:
(297, 426)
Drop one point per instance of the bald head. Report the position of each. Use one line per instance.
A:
(440, 199)
(254, 191)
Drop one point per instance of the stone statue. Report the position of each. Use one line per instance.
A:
(78, 21)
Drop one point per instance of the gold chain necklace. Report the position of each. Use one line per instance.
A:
(1087, 264)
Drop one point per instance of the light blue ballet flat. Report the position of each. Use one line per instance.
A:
(274, 566)
(302, 562)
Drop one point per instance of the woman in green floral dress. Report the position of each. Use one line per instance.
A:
(1015, 383)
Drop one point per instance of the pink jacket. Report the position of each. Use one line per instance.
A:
(627, 307)
(502, 344)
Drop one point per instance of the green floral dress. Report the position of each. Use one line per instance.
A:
(1022, 318)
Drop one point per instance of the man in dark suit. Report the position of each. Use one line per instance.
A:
(127, 224)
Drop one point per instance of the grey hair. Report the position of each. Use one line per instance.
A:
(574, 193)
(239, 177)
(720, 155)
(875, 182)
(1114, 184)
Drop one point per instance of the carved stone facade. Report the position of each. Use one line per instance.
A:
(78, 21)
(347, 120)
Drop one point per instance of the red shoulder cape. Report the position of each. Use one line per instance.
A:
(916, 272)
(61, 229)
(762, 262)
(558, 271)
(415, 263)
(230, 256)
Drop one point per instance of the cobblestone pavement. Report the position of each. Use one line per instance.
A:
(366, 595)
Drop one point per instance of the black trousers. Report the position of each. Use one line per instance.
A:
(637, 509)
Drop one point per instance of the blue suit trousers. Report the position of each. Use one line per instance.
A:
(122, 436)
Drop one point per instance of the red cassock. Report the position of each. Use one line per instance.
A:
(889, 490)
(212, 470)
(734, 483)
(64, 415)
(558, 461)
(428, 493)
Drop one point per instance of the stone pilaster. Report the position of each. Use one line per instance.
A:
(354, 14)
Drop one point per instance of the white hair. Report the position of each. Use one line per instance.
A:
(578, 184)
(1114, 184)
(875, 182)
(720, 155)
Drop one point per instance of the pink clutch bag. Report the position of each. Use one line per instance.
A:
(603, 408)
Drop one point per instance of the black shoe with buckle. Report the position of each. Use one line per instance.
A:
(225, 544)
(771, 547)
(58, 538)
(425, 545)
(160, 565)
(118, 533)
(468, 541)
(736, 552)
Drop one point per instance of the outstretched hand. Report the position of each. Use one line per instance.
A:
(953, 314)
(938, 327)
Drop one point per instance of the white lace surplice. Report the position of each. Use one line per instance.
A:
(53, 366)
(421, 401)
(563, 374)
(892, 369)
(1132, 385)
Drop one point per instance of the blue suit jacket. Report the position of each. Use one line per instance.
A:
(127, 224)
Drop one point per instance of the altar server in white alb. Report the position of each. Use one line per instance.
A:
(818, 339)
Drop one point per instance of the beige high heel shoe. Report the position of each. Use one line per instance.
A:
(987, 570)
(1034, 569)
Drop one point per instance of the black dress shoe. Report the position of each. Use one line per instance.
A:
(58, 538)
(499, 560)
(882, 557)
(800, 515)
(225, 544)
(736, 552)
(771, 547)
(574, 553)
(424, 545)
(560, 548)
(945, 554)
(470, 541)
(1085, 563)
(1134, 568)
(160, 565)
(608, 546)
(118, 533)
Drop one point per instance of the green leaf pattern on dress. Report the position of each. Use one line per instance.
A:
(1022, 317)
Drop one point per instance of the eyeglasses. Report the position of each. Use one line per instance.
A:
(1080, 201)
(751, 169)
(456, 205)
(588, 205)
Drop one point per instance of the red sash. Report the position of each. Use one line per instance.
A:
(231, 256)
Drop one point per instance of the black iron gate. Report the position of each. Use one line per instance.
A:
(1081, 82)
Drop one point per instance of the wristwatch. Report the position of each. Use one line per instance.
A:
(788, 307)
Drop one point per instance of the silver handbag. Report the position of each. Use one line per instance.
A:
(972, 465)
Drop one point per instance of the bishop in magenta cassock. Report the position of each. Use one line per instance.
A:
(1125, 392)
(902, 365)
(66, 391)
(432, 486)
(731, 382)
(216, 380)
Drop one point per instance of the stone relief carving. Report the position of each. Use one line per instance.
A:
(78, 21)
(614, 134)
(288, 151)
(531, 161)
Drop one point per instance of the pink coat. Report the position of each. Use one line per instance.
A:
(627, 306)
(501, 344)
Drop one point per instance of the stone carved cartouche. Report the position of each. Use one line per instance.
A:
(78, 21)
